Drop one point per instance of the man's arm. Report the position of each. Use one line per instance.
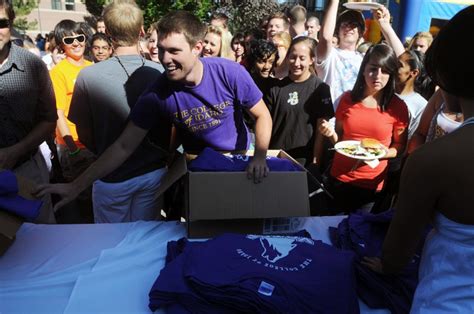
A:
(327, 31)
(399, 142)
(421, 132)
(10, 155)
(113, 157)
(263, 130)
(413, 211)
(382, 16)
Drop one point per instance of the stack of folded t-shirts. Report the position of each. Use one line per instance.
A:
(364, 234)
(210, 160)
(256, 274)
(12, 202)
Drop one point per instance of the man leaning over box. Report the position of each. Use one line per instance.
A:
(204, 99)
(27, 110)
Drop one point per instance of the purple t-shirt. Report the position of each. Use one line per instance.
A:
(206, 115)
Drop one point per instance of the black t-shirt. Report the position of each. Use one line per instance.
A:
(295, 108)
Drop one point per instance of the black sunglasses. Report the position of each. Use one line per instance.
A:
(69, 40)
(4, 23)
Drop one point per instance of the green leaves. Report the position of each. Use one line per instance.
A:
(22, 9)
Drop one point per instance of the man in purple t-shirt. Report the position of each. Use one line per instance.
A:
(207, 114)
(203, 98)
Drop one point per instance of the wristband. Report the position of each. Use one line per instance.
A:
(74, 152)
(70, 143)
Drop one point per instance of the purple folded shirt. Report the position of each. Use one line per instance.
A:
(210, 160)
(13, 203)
(364, 234)
(256, 274)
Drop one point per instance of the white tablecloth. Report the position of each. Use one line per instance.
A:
(103, 268)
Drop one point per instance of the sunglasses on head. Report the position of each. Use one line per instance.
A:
(69, 40)
(4, 23)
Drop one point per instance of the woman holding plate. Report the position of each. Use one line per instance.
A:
(370, 110)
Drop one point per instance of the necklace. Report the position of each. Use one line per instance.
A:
(123, 67)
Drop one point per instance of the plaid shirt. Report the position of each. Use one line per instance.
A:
(26, 96)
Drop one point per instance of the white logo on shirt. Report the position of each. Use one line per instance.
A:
(293, 98)
(276, 248)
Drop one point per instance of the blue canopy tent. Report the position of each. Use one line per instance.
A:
(411, 16)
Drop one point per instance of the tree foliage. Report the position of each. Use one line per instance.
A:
(247, 14)
(153, 10)
(22, 9)
(95, 7)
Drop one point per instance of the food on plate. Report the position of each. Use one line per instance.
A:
(366, 149)
(372, 146)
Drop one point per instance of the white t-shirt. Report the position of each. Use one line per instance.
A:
(339, 70)
(416, 105)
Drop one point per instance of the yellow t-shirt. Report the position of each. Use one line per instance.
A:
(63, 76)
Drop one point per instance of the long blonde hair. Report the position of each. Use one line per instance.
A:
(226, 39)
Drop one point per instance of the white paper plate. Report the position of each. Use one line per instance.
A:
(363, 5)
(340, 145)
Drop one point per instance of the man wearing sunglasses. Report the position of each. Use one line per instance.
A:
(338, 67)
(73, 156)
(27, 110)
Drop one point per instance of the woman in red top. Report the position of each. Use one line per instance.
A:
(370, 110)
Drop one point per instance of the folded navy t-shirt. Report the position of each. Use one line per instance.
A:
(364, 234)
(262, 274)
(210, 160)
(11, 202)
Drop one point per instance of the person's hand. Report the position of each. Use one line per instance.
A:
(373, 263)
(325, 128)
(257, 169)
(67, 192)
(8, 158)
(382, 16)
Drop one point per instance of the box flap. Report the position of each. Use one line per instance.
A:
(177, 170)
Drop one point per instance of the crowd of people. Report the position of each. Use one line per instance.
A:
(112, 104)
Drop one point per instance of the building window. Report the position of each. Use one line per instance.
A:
(70, 6)
(56, 4)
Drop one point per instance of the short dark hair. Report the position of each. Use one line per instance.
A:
(239, 38)
(220, 16)
(66, 28)
(101, 36)
(384, 56)
(182, 22)
(351, 16)
(450, 68)
(260, 50)
(8, 7)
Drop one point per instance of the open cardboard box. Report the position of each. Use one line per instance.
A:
(218, 202)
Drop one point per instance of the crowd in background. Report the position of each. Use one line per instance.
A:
(104, 110)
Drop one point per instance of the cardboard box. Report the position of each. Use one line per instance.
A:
(218, 202)
(9, 225)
